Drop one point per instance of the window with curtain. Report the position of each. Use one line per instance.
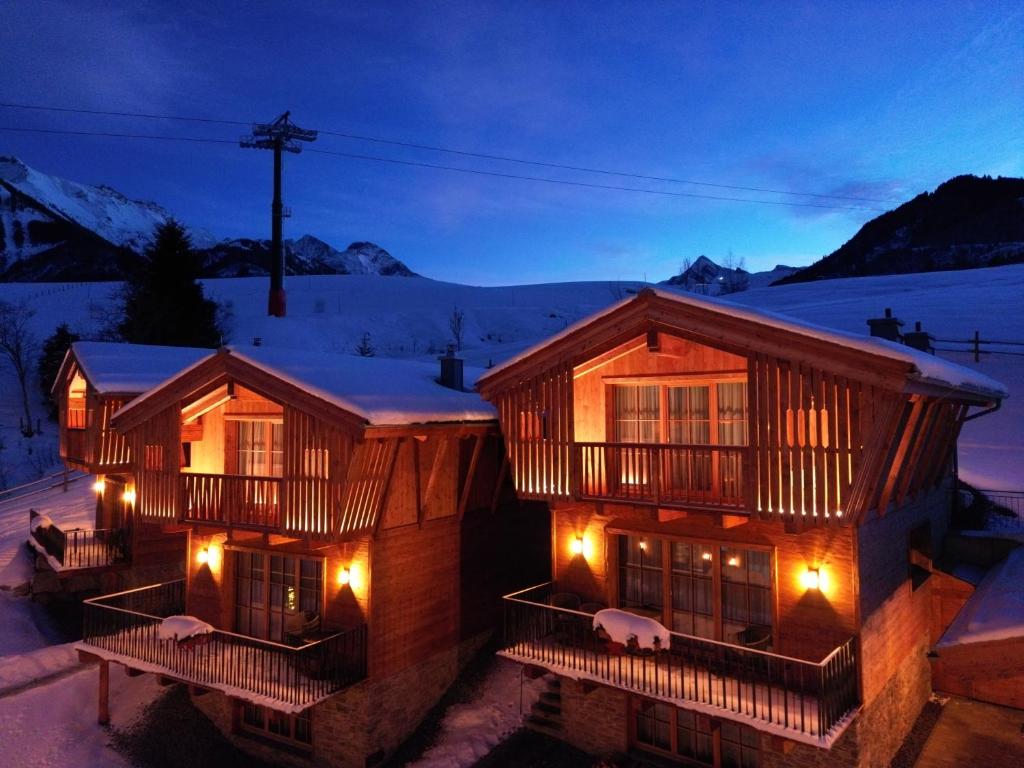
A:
(271, 589)
(663, 728)
(637, 413)
(746, 596)
(261, 448)
(640, 573)
(693, 605)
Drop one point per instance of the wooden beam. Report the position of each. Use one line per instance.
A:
(103, 705)
(468, 485)
(502, 474)
(435, 468)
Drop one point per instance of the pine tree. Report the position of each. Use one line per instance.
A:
(163, 301)
(54, 349)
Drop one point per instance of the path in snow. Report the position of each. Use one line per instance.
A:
(54, 725)
(472, 729)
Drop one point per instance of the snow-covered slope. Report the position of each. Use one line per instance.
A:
(308, 255)
(410, 318)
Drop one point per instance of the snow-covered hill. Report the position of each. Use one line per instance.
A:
(409, 318)
(55, 229)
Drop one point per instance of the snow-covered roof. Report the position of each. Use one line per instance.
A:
(132, 368)
(926, 368)
(996, 609)
(384, 391)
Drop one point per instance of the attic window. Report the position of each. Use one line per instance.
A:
(76, 418)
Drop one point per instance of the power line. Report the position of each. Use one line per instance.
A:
(456, 169)
(465, 153)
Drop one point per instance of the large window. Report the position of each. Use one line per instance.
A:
(705, 413)
(637, 414)
(681, 733)
(261, 448)
(277, 725)
(76, 407)
(276, 596)
(717, 592)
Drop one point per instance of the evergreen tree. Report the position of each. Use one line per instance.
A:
(52, 355)
(163, 303)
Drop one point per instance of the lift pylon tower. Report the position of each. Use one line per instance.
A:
(281, 135)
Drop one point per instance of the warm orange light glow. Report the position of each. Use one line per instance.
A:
(129, 496)
(577, 545)
(210, 557)
(812, 579)
(643, 545)
(734, 562)
(203, 556)
(344, 577)
(706, 555)
(99, 486)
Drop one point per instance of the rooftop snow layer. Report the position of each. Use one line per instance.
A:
(132, 368)
(996, 609)
(926, 368)
(383, 391)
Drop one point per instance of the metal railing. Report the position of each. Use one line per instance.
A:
(293, 678)
(1005, 509)
(665, 474)
(82, 547)
(241, 500)
(806, 697)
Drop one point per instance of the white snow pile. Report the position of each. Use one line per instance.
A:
(996, 609)
(24, 669)
(114, 368)
(182, 628)
(623, 627)
(39, 521)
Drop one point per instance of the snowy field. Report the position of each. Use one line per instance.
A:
(408, 318)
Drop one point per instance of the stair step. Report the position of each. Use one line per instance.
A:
(550, 697)
(545, 727)
(546, 708)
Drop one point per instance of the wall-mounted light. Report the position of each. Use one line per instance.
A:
(203, 556)
(99, 486)
(733, 561)
(344, 577)
(643, 545)
(129, 497)
(812, 579)
(706, 555)
(577, 545)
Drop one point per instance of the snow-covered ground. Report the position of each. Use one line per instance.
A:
(473, 728)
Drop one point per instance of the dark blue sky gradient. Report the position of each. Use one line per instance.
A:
(879, 100)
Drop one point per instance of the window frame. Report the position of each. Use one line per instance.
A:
(713, 731)
(267, 585)
(262, 730)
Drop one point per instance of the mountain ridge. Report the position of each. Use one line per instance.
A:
(54, 229)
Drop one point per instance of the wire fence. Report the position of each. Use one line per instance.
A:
(1005, 510)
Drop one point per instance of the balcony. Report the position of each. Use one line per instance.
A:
(124, 628)
(806, 701)
(78, 548)
(661, 474)
(244, 501)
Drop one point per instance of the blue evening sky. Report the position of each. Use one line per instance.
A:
(876, 100)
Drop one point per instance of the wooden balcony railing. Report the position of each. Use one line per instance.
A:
(75, 443)
(82, 547)
(124, 627)
(807, 701)
(665, 474)
(238, 500)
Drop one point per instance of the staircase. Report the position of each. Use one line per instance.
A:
(546, 713)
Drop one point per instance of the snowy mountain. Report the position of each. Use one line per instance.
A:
(707, 277)
(54, 229)
(307, 255)
(966, 222)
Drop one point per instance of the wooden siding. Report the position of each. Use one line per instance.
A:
(316, 456)
(156, 445)
(537, 420)
(112, 448)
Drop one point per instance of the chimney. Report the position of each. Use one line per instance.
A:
(919, 339)
(451, 369)
(887, 327)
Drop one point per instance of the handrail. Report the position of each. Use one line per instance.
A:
(513, 597)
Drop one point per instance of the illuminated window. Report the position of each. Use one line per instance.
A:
(261, 448)
(76, 405)
(272, 590)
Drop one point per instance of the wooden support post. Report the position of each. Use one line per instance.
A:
(103, 715)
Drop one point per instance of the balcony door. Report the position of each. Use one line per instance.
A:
(701, 417)
(276, 596)
(700, 589)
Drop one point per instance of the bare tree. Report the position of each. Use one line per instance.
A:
(19, 344)
(457, 325)
(365, 348)
(736, 276)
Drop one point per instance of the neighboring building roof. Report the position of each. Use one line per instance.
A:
(382, 391)
(925, 368)
(115, 368)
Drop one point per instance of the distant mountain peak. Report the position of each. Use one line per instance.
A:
(55, 229)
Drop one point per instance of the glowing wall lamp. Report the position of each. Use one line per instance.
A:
(203, 556)
(129, 496)
(643, 545)
(577, 545)
(812, 579)
(344, 577)
(99, 486)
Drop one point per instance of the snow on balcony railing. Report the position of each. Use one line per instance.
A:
(125, 627)
(801, 700)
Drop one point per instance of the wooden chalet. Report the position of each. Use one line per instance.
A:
(350, 528)
(771, 492)
(95, 380)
